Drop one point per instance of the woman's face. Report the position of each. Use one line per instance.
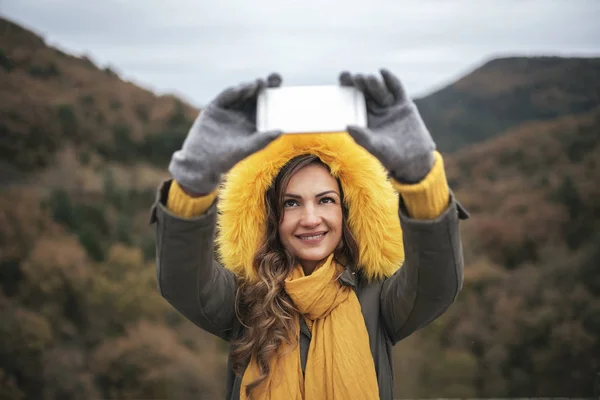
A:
(311, 228)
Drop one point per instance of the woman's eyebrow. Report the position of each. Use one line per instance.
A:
(326, 192)
(296, 196)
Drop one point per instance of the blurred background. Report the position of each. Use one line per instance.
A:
(95, 97)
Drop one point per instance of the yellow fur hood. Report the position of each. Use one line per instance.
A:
(371, 200)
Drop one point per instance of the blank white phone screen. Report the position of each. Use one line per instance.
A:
(309, 109)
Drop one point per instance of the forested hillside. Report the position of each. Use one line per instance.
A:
(52, 101)
(527, 323)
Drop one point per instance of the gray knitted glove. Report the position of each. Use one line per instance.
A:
(395, 132)
(223, 134)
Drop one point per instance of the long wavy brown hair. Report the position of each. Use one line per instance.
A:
(264, 308)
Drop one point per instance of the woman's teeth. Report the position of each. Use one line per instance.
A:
(312, 237)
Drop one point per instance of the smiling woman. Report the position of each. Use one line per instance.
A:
(332, 247)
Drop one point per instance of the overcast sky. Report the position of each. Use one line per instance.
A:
(196, 48)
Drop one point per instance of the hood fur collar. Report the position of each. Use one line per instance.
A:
(371, 200)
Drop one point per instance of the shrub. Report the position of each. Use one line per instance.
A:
(123, 230)
(9, 389)
(110, 72)
(27, 150)
(581, 143)
(84, 157)
(115, 104)
(93, 215)
(48, 70)
(505, 242)
(158, 148)
(5, 62)
(90, 240)
(110, 186)
(23, 337)
(68, 120)
(122, 135)
(87, 61)
(142, 112)
(580, 225)
(100, 118)
(178, 118)
(10, 276)
(87, 99)
(88, 222)
(125, 148)
(62, 208)
(590, 268)
(148, 246)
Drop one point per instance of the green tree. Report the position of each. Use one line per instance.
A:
(68, 120)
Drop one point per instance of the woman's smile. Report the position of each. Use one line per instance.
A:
(312, 238)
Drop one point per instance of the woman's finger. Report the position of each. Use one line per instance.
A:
(378, 91)
(345, 79)
(234, 95)
(252, 90)
(393, 84)
(274, 80)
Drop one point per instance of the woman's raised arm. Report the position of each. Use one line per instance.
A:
(184, 212)
(186, 273)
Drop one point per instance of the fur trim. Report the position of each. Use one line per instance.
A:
(371, 200)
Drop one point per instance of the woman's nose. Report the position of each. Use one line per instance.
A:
(310, 217)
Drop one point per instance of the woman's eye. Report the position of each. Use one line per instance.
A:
(328, 200)
(289, 203)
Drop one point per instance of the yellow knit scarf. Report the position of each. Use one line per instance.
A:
(339, 363)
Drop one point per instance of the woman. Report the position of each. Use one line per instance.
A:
(332, 247)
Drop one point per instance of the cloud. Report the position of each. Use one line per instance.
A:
(196, 48)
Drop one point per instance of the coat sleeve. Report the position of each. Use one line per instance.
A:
(432, 274)
(187, 275)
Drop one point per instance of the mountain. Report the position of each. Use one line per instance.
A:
(527, 323)
(82, 152)
(507, 92)
(52, 101)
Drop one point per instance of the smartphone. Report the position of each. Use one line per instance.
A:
(310, 109)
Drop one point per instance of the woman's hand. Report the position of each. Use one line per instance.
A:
(223, 134)
(395, 132)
